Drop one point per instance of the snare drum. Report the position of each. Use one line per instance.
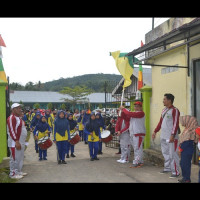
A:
(75, 138)
(44, 143)
(106, 136)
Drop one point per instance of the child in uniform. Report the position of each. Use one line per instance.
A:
(72, 128)
(92, 129)
(42, 129)
(61, 136)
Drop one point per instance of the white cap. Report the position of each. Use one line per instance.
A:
(14, 105)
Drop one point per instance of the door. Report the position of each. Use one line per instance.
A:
(196, 85)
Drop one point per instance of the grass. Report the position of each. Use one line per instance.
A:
(4, 176)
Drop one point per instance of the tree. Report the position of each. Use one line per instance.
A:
(63, 106)
(36, 105)
(78, 94)
(50, 106)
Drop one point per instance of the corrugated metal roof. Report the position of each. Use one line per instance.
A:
(52, 97)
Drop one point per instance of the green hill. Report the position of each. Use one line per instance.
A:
(92, 81)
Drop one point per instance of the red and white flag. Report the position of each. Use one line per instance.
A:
(2, 43)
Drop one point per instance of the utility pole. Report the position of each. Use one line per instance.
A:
(152, 23)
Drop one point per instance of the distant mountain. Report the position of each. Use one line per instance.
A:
(93, 81)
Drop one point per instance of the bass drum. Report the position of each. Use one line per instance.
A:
(106, 136)
(44, 143)
(75, 138)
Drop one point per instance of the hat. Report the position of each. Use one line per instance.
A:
(14, 105)
(197, 130)
(138, 103)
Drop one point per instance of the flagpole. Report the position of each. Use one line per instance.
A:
(122, 100)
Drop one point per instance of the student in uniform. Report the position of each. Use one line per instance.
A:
(72, 128)
(42, 129)
(80, 125)
(102, 125)
(49, 119)
(137, 131)
(86, 117)
(61, 136)
(92, 129)
(34, 122)
(122, 130)
(198, 144)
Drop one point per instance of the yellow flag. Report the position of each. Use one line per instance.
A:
(124, 65)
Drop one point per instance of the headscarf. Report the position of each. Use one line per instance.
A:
(190, 123)
(61, 124)
(35, 120)
(42, 126)
(93, 125)
(72, 123)
(100, 120)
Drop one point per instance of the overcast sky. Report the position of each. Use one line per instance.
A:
(45, 49)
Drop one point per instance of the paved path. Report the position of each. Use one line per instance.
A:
(81, 169)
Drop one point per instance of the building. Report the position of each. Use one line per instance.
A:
(173, 51)
(29, 98)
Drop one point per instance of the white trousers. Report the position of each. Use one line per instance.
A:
(170, 154)
(137, 144)
(16, 160)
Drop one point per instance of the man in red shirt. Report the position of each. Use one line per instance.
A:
(169, 125)
(16, 141)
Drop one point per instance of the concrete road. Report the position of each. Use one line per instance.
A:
(81, 170)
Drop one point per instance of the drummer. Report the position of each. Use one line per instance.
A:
(42, 129)
(92, 129)
(61, 136)
(72, 128)
(102, 125)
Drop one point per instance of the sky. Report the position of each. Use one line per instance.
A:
(46, 49)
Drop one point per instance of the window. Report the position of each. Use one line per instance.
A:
(167, 70)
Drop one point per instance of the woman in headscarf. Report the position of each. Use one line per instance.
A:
(49, 118)
(92, 129)
(186, 146)
(34, 122)
(42, 129)
(102, 125)
(61, 136)
(72, 128)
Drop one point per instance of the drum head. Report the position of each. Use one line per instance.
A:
(105, 134)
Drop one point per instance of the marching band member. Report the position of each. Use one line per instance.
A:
(72, 128)
(102, 125)
(122, 130)
(49, 119)
(86, 117)
(34, 122)
(137, 131)
(42, 129)
(61, 136)
(92, 129)
(80, 124)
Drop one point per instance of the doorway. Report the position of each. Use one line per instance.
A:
(196, 85)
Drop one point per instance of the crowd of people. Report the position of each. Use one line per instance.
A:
(130, 127)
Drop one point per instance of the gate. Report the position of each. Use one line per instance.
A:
(113, 95)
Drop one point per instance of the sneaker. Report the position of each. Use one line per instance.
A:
(174, 176)
(183, 181)
(122, 161)
(67, 156)
(59, 162)
(164, 172)
(64, 162)
(72, 155)
(40, 159)
(91, 159)
(119, 160)
(135, 166)
(44, 158)
(22, 173)
(16, 176)
(96, 158)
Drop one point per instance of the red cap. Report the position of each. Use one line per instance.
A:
(138, 103)
(197, 130)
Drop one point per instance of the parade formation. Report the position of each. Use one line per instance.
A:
(66, 129)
